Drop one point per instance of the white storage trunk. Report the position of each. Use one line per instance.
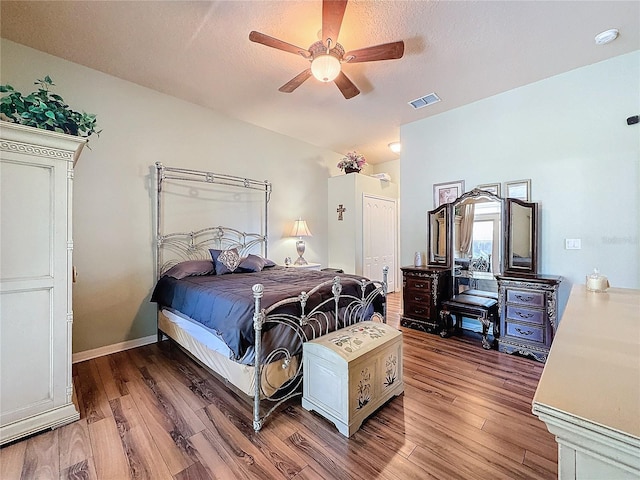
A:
(350, 373)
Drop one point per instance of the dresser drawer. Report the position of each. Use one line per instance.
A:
(416, 296)
(531, 333)
(417, 310)
(421, 284)
(523, 297)
(523, 314)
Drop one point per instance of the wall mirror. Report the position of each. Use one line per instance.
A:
(477, 232)
(521, 252)
(438, 237)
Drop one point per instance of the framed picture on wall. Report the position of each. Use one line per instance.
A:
(518, 189)
(491, 188)
(447, 192)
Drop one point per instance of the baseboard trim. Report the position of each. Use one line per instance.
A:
(109, 349)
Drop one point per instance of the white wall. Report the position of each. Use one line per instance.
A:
(391, 167)
(569, 135)
(114, 185)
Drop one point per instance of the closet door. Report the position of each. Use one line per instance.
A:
(379, 238)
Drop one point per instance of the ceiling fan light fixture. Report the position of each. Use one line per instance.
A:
(325, 67)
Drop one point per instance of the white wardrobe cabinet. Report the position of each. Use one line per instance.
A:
(363, 226)
(36, 318)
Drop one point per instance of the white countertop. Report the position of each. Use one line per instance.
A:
(593, 369)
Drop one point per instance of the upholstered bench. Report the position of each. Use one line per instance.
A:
(483, 306)
(482, 293)
(350, 373)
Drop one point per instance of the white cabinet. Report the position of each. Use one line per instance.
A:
(363, 228)
(36, 176)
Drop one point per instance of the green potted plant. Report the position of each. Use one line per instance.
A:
(46, 110)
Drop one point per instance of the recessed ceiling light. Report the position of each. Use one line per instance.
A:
(395, 147)
(606, 36)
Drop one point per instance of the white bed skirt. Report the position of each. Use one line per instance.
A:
(209, 349)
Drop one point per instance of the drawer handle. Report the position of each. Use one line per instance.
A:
(419, 310)
(523, 315)
(420, 285)
(522, 332)
(417, 299)
(524, 298)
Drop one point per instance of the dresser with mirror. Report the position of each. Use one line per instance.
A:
(482, 257)
(424, 288)
(528, 300)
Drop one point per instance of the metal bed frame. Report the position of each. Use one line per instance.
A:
(336, 311)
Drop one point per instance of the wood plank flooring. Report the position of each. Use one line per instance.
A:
(152, 413)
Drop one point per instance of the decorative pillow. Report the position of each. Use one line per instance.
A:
(226, 261)
(252, 263)
(191, 268)
(268, 263)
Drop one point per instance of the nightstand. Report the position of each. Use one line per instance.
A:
(308, 266)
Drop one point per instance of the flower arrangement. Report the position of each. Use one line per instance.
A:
(352, 161)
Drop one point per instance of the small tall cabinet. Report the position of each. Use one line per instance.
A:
(36, 318)
(528, 314)
(423, 291)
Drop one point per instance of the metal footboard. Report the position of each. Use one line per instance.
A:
(337, 311)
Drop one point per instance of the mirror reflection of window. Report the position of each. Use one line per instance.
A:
(486, 233)
(482, 244)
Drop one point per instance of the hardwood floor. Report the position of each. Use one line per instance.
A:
(152, 413)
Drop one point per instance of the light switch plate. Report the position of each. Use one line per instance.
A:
(572, 244)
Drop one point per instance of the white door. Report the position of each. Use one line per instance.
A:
(379, 238)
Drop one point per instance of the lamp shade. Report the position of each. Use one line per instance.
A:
(300, 229)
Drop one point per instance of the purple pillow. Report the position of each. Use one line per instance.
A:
(226, 261)
(191, 268)
(251, 263)
(268, 263)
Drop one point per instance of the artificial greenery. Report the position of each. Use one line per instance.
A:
(46, 110)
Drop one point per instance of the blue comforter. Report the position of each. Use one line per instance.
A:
(225, 304)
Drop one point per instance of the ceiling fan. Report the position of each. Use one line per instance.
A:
(327, 55)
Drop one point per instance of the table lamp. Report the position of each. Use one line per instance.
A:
(300, 230)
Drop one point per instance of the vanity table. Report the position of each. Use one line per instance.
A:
(482, 266)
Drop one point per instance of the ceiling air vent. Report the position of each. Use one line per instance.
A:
(424, 101)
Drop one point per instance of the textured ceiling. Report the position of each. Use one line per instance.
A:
(200, 52)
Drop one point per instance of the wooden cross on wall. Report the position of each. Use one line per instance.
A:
(340, 211)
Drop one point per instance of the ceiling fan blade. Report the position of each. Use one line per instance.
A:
(346, 86)
(295, 82)
(386, 51)
(275, 43)
(332, 13)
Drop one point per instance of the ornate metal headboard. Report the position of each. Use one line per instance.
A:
(174, 248)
